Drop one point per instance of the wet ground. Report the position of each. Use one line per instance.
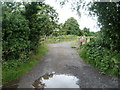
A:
(56, 81)
(69, 71)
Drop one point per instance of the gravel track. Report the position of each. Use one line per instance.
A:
(62, 59)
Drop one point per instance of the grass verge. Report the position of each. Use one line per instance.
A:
(17, 69)
(63, 38)
(75, 44)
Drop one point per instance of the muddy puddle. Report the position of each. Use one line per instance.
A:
(56, 81)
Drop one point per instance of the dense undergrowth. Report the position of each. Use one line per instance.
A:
(101, 57)
(13, 69)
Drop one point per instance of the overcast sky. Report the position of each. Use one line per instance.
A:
(66, 12)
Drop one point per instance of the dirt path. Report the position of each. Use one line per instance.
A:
(62, 59)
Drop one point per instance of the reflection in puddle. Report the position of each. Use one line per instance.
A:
(56, 81)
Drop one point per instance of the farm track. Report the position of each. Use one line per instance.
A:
(62, 59)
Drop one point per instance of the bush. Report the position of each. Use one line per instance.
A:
(15, 37)
(101, 57)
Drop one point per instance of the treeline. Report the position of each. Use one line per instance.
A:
(71, 27)
(23, 24)
(103, 51)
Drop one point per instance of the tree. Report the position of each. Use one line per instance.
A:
(42, 21)
(87, 32)
(71, 26)
(23, 26)
(108, 17)
(15, 34)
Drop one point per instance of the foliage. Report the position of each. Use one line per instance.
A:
(101, 57)
(103, 51)
(42, 20)
(15, 35)
(71, 27)
(23, 25)
(86, 32)
(58, 31)
(108, 17)
(12, 69)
